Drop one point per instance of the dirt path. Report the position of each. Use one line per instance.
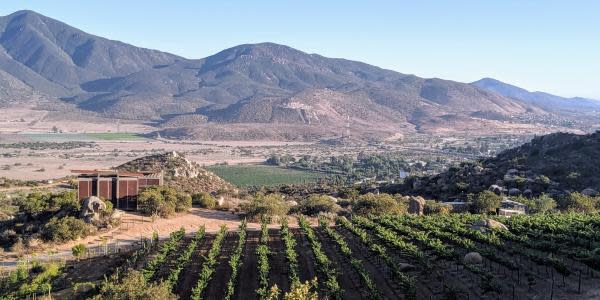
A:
(347, 277)
(248, 281)
(306, 265)
(218, 283)
(191, 272)
(279, 273)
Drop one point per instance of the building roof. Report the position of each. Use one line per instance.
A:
(114, 173)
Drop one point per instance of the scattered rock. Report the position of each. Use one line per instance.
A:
(512, 172)
(482, 225)
(221, 201)
(496, 189)
(416, 205)
(514, 192)
(590, 192)
(404, 267)
(473, 258)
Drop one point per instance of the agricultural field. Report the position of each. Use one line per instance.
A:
(262, 175)
(387, 257)
(99, 136)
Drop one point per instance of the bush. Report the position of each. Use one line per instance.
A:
(65, 229)
(316, 204)
(542, 204)
(79, 250)
(267, 206)
(163, 201)
(435, 208)
(66, 200)
(134, 286)
(486, 202)
(204, 200)
(576, 202)
(377, 205)
(184, 202)
(33, 203)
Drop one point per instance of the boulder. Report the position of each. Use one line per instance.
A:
(416, 205)
(473, 258)
(527, 193)
(404, 267)
(496, 189)
(590, 192)
(514, 192)
(483, 225)
(512, 172)
(334, 199)
(221, 201)
(91, 209)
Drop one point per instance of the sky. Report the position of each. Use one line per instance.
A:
(550, 46)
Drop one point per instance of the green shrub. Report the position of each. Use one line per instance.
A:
(542, 204)
(33, 203)
(79, 250)
(576, 202)
(433, 207)
(316, 204)
(134, 286)
(267, 206)
(163, 201)
(66, 200)
(65, 229)
(184, 202)
(204, 200)
(486, 202)
(377, 205)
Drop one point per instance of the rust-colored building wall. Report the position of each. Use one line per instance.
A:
(105, 189)
(84, 189)
(121, 191)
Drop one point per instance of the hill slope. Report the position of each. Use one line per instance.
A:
(547, 101)
(552, 164)
(179, 172)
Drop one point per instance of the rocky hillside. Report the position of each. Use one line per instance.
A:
(179, 172)
(554, 164)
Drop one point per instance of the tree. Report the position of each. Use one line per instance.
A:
(316, 204)
(79, 250)
(486, 202)
(377, 205)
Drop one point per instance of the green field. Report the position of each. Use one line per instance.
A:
(64, 137)
(257, 175)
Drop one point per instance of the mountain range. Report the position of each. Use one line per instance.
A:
(251, 91)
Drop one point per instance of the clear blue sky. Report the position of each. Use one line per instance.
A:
(548, 45)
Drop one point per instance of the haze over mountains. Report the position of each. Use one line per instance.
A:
(246, 92)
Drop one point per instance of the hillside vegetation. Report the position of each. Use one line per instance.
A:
(555, 164)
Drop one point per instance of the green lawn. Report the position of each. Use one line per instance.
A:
(258, 175)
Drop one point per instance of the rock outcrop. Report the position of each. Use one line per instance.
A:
(416, 205)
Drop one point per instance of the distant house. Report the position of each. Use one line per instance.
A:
(511, 208)
(120, 187)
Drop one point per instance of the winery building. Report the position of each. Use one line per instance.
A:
(120, 187)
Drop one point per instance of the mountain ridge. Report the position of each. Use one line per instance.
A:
(264, 85)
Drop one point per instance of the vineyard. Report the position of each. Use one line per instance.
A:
(390, 257)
